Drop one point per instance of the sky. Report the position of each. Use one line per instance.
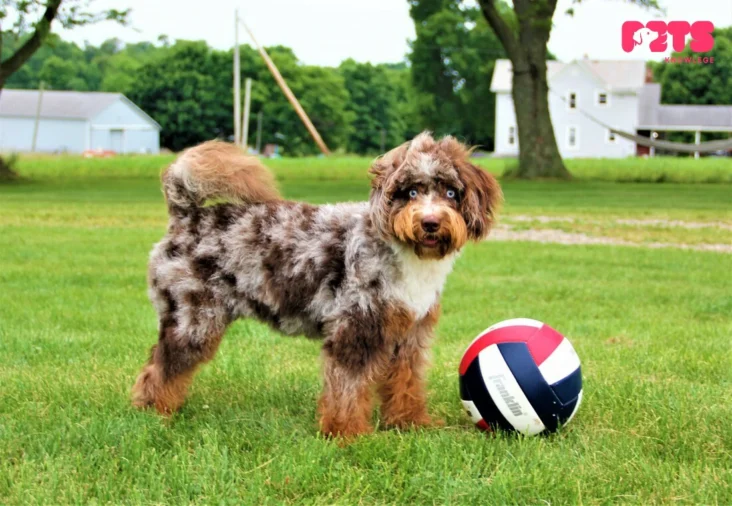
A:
(326, 32)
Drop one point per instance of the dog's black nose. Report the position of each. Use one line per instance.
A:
(430, 224)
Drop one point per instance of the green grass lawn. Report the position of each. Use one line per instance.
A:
(653, 329)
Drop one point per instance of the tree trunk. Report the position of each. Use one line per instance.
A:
(526, 47)
(31, 45)
(538, 152)
(6, 171)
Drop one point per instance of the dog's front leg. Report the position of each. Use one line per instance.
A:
(402, 387)
(356, 352)
(402, 390)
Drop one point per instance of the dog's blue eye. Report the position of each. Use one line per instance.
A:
(451, 194)
(412, 193)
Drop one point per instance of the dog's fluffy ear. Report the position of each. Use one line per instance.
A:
(386, 164)
(481, 199)
(481, 195)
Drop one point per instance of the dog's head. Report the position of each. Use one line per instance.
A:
(427, 195)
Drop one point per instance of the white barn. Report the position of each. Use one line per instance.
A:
(74, 122)
(619, 93)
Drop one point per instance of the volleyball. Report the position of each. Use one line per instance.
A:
(520, 375)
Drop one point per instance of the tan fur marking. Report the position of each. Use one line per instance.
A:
(455, 224)
(167, 397)
(407, 227)
(397, 322)
(346, 403)
(218, 169)
(404, 223)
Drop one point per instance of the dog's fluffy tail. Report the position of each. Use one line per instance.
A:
(216, 170)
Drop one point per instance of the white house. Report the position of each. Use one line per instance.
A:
(74, 122)
(617, 93)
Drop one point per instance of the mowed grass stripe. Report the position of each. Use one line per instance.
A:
(341, 168)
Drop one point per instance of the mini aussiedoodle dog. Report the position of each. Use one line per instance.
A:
(366, 277)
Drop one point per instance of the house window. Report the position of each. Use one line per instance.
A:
(572, 100)
(572, 137)
(602, 98)
(611, 136)
(511, 135)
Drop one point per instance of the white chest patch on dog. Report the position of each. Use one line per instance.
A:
(421, 281)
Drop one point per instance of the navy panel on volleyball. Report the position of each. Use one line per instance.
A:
(521, 375)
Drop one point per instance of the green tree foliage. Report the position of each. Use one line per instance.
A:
(452, 61)
(376, 115)
(699, 83)
(405, 97)
(323, 94)
(185, 88)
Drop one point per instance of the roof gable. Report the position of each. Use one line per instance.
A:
(503, 74)
(614, 74)
(585, 69)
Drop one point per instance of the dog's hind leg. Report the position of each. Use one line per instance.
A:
(189, 335)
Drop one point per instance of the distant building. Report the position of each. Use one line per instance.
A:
(75, 122)
(615, 92)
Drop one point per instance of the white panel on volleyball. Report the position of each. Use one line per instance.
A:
(504, 389)
(472, 411)
(516, 322)
(561, 363)
(576, 407)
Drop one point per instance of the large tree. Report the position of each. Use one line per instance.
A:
(524, 33)
(29, 21)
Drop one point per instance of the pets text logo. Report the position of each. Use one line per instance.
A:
(655, 36)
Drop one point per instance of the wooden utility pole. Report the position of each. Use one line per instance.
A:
(245, 122)
(288, 93)
(237, 82)
(38, 116)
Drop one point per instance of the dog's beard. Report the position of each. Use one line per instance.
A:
(448, 238)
